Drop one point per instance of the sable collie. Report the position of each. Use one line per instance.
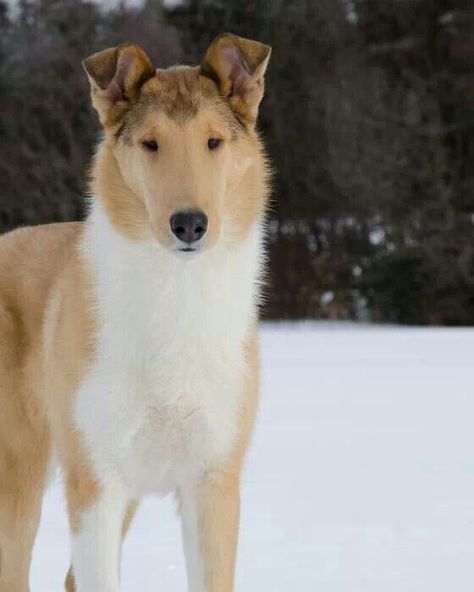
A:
(128, 342)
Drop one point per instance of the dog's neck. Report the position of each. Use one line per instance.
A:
(142, 284)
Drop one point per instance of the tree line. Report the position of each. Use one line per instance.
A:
(368, 118)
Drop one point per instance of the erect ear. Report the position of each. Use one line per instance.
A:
(238, 67)
(116, 76)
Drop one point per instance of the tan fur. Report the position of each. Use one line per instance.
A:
(30, 262)
(47, 321)
(219, 497)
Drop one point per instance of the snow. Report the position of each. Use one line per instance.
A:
(360, 477)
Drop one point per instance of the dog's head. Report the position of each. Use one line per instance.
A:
(181, 161)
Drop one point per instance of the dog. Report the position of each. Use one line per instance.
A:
(128, 342)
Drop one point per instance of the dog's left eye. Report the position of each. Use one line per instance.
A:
(150, 145)
(213, 143)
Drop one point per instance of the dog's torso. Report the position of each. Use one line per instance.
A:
(161, 400)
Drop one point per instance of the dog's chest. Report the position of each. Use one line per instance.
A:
(162, 400)
(163, 422)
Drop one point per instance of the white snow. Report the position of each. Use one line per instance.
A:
(360, 477)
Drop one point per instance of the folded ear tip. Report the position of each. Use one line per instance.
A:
(230, 46)
(96, 62)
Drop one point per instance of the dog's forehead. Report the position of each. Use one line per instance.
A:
(177, 91)
(181, 93)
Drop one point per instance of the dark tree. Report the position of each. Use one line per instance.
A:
(368, 118)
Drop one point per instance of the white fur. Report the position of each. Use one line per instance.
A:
(159, 407)
(194, 561)
(96, 547)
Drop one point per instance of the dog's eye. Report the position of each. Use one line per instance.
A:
(150, 145)
(213, 143)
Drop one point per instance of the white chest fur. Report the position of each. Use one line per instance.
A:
(160, 403)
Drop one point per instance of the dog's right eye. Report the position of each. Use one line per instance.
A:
(150, 145)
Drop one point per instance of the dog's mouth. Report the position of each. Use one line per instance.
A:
(187, 252)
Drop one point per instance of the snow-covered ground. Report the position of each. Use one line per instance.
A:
(360, 477)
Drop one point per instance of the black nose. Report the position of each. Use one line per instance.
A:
(189, 226)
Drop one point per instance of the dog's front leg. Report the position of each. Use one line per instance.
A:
(96, 540)
(210, 522)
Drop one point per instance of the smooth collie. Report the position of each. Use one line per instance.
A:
(128, 342)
